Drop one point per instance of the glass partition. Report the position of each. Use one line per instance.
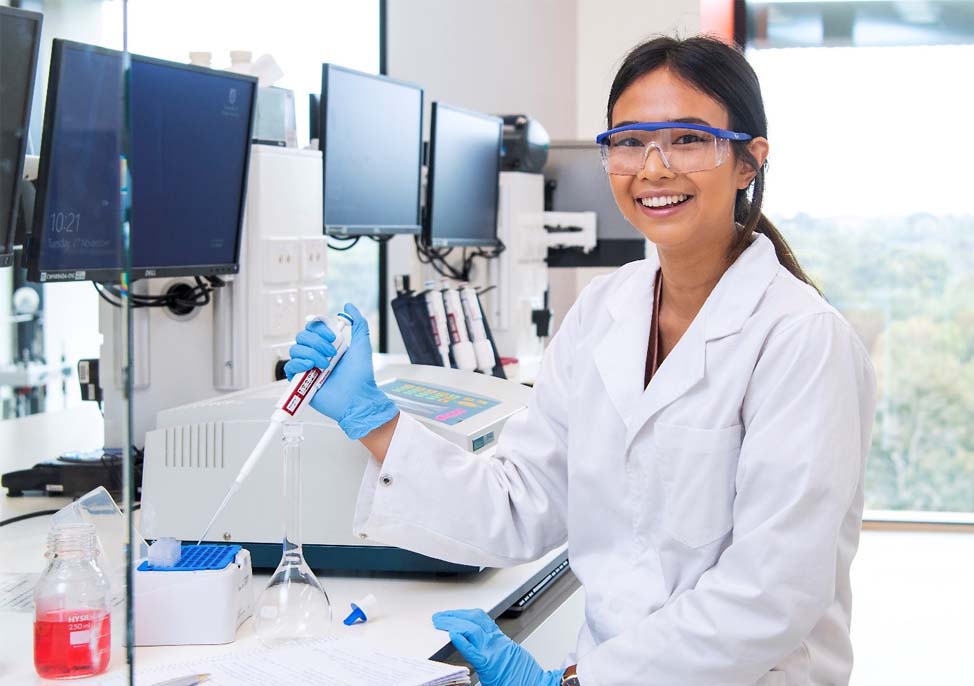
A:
(64, 509)
(165, 251)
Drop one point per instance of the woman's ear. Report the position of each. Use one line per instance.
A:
(759, 148)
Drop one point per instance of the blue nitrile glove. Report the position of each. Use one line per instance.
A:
(498, 660)
(349, 395)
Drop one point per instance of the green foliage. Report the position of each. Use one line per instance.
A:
(907, 285)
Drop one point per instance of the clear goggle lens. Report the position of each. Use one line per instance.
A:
(682, 150)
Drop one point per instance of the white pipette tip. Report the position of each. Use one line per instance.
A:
(226, 499)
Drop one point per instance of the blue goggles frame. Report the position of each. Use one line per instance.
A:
(657, 125)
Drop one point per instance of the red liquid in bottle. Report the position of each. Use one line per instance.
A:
(72, 643)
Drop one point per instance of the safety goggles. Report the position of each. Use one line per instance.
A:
(683, 147)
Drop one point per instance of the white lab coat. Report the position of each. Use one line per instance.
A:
(711, 518)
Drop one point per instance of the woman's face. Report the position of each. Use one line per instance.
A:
(706, 218)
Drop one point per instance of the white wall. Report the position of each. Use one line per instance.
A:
(500, 56)
(606, 32)
(551, 59)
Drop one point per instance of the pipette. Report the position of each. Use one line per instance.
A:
(302, 388)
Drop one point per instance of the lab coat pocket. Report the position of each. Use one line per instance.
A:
(698, 467)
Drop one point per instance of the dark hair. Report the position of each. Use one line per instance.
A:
(720, 71)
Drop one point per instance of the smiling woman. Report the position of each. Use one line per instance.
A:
(712, 505)
(721, 151)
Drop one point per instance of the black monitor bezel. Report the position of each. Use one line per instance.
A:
(428, 239)
(7, 242)
(43, 173)
(366, 230)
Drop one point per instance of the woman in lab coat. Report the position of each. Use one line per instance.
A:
(697, 434)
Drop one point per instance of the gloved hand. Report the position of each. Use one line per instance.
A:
(498, 660)
(349, 394)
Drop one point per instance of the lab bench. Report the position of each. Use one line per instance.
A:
(405, 603)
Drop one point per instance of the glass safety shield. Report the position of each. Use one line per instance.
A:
(68, 483)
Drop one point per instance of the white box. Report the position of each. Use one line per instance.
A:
(202, 607)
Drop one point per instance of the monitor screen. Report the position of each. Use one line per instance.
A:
(371, 141)
(462, 184)
(19, 40)
(188, 161)
(191, 131)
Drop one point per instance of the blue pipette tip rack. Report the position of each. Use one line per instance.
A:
(197, 558)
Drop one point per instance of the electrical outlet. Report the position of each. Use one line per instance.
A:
(281, 314)
(314, 259)
(282, 258)
(314, 301)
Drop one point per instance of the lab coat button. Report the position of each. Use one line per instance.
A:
(363, 535)
(386, 480)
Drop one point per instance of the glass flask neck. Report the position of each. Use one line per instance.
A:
(293, 438)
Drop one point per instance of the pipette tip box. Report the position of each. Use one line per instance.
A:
(201, 600)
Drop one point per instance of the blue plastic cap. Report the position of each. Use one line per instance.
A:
(356, 615)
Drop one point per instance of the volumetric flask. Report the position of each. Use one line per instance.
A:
(294, 605)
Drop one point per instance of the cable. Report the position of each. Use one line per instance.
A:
(436, 258)
(42, 513)
(29, 515)
(481, 253)
(195, 296)
(353, 242)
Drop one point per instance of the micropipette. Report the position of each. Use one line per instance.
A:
(301, 389)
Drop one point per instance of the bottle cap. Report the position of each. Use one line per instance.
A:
(361, 610)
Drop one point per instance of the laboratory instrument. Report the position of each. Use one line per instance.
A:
(199, 154)
(361, 610)
(72, 606)
(201, 598)
(196, 450)
(371, 141)
(20, 33)
(437, 319)
(244, 341)
(482, 347)
(294, 605)
(460, 345)
(525, 144)
(519, 275)
(291, 406)
(462, 183)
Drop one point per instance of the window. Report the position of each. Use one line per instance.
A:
(869, 180)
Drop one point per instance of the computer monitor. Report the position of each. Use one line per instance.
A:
(20, 33)
(462, 181)
(188, 159)
(314, 116)
(371, 141)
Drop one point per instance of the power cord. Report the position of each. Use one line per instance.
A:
(194, 296)
(436, 258)
(351, 242)
(29, 515)
(42, 513)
